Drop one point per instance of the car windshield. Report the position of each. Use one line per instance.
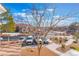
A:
(21, 38)
(29, 38)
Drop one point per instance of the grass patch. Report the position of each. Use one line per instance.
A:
(75, 48)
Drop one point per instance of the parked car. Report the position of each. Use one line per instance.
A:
(1, 38)
(42, 40)
(22, 38)
(28, 41)
(45, 40)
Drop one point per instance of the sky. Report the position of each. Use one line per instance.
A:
(18, 10)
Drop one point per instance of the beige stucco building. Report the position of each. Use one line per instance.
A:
(2, 9)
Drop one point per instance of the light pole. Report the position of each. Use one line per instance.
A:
(1, 40)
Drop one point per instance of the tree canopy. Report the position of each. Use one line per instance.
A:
(10, 25)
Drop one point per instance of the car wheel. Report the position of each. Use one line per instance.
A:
(23, 45)
(32, 43)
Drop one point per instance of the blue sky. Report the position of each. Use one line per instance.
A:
(61, 9)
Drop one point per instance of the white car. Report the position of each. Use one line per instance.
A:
(27, 40)
(1, 38)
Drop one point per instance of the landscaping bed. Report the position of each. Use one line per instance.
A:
(75, 46)
(63, 50)
(34, 52)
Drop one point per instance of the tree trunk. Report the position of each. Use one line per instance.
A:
(63, 47)
(77, 40)
(39, 48)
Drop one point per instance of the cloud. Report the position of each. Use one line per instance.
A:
(40, 11)
(50, 9)
(22, 16)
(26, 10)
(23, 10)
(67, 21)
(19, 14)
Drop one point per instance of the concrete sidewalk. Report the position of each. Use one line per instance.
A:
(71, 53)
(53, 48)
(69, 42)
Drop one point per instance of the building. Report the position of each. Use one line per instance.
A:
(74, 27)
(77, 27)
(2, 9)
(22, 27)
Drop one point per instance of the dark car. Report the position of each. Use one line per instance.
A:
(45, 40)
(42, 40)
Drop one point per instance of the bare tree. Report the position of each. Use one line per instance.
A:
(40, 25)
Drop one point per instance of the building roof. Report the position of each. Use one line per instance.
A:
(2, 9)
(23, 25)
